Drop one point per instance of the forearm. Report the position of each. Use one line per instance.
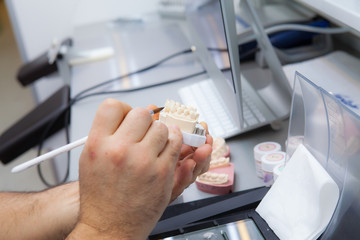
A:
(84, 231)
(50, 214)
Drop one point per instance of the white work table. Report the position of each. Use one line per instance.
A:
(139, 44)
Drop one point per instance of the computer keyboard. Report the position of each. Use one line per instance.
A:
(251, 113)
(206, 98)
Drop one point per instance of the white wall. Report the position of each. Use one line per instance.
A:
(37, 22)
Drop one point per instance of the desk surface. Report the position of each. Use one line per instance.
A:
(83, 76)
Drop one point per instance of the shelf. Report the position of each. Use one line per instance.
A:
(346, 11)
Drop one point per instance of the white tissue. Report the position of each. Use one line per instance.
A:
(302, 201)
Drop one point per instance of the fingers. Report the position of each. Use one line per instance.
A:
(108, 117)
(209, 140)
(204, 125)
(202, 158)
(156, 138)
(172, 149)
(135, 125)
(204, 152)
(183, 177)
(186, 151)
(196, 163)
(151, 107)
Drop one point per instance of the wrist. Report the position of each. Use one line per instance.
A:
(108, 223)
(85, 231)
(65, 200)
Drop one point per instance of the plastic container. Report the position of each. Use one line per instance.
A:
(292, 143)
(278, 170)
(331, 131)
(268, 162)
(260, 150)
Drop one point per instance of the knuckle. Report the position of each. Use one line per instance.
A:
(161, 128)
(116, 152)
(176, 140)
(92, 143)
(141, 113)
(159, 135)
(111, 102)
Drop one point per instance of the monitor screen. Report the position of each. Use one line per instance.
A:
(214, 24)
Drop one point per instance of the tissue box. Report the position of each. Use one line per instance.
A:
(331, 133)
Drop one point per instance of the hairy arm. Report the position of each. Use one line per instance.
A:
(130, 169)
(50, 214)
(126, 173)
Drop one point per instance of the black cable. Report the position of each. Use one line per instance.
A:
(46, 131)
(138, 88)
(145, 69)
(136, 72)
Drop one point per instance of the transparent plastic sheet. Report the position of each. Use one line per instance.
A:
(331, 132)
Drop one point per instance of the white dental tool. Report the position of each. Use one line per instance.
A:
(58, 151)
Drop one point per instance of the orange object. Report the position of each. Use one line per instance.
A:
(152, 107)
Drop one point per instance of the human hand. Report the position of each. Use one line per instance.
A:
(126, 173)
(192, 161)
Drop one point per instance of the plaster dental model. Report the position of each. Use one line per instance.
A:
(220, 148)
(217, 180)
(213, 178)
(219, 162)
(220, 169)
(186, 118)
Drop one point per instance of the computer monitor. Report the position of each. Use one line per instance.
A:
(213, 32)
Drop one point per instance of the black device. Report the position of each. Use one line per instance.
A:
(193, 220)
(43, 65)
(29, 130)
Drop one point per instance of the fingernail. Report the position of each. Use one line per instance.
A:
(193, 167)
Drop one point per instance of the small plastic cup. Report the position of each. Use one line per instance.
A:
(268, 162)
(260, 150)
